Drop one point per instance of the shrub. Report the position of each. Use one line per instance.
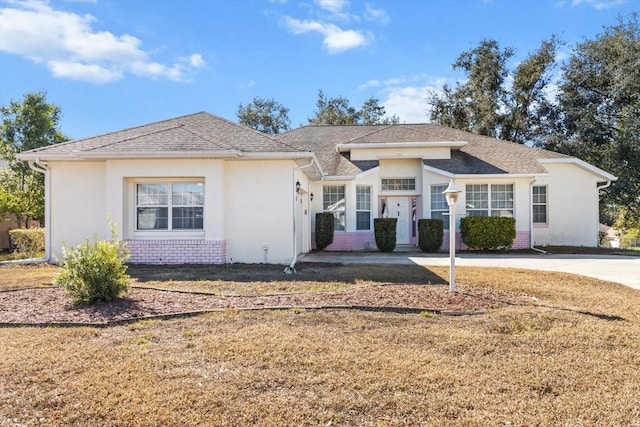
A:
(488, 232)
(324, 229)
(385, 233)
(95, 271)
(28, 242)
(430, 234)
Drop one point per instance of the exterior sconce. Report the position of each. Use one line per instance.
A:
(297, 186)
(311, 197)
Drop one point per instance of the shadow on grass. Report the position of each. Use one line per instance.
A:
(313, 272)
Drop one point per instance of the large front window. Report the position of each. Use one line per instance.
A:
(333, 201)
(489, 200)
(439, 206)
(363, 208)
(170, 206)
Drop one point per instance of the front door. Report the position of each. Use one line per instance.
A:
(399, 208)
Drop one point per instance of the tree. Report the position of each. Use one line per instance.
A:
(264, 115)
(599, 101)
(26, 125)
(337, 111)
(484, 105)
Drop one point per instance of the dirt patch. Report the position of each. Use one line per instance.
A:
(53, 306)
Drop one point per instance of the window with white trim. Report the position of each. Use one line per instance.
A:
(489, 200)
(333, 200)
(363, 207)
(439, 206)
(539, 205)
(398, 184)
(169, 206)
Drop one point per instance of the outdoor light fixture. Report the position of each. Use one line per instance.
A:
(311, 197)
(297, 186)
(451, 194)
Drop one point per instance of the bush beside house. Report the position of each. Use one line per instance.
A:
(385, 233)
(488, 232)
(324, 229)
(430, 234)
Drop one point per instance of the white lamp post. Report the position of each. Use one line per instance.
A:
(451, 194)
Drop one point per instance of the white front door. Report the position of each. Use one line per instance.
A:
(399, 208)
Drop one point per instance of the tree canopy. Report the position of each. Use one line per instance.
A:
(264, 115)
(338, 111)
(485, 104)
(29, 124)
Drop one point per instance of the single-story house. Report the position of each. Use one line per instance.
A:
(202, 189)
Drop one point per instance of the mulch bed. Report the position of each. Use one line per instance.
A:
(52, 306)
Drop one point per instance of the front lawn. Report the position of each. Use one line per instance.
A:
(571, 357)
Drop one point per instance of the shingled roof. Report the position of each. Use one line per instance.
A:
(198, 133)
(480, 154)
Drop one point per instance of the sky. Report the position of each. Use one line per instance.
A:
(115, 64)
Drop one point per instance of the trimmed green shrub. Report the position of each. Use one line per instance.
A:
(488, 232)
(28, 242)
(95, 271)
(324, 229)
(430, 234)
(385, 233)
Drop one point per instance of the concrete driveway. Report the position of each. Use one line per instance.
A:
(614, 268)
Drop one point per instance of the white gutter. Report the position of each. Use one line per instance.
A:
(43, 168)
(291, 268)
(391, 145)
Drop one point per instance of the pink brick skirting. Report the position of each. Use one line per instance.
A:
(177, 251)
(349, 241)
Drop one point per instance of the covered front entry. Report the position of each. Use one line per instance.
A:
(399, 207)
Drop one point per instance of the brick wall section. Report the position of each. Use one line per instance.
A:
(177, 251)
(349, 241)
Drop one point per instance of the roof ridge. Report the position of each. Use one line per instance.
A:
(383, 127)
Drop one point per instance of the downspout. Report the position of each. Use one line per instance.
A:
(291, 268)
(43, 168)
(600, 187)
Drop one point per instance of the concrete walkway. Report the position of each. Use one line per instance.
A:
(613, 268)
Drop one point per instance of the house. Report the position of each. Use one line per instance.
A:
(201, 189)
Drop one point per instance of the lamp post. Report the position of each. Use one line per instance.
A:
(451, 194)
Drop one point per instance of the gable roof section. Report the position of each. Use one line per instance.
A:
(200, 134)
(479, 156)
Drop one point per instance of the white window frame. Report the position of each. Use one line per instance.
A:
(537, 203)
(439, 207)
(492, 205)
(398, 184)
(170, 205)
(337, 207)
(363, 206)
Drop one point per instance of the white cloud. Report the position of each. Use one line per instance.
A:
(405, 96)
(247, 85)
(376, 15)
(335, 39)
(333, 6)
(599, 4)
(68, 45)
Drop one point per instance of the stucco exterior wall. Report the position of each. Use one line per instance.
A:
(398, 152)
(573, 211)
(78, 203)
(259, 202)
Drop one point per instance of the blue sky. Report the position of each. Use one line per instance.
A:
(113, 64)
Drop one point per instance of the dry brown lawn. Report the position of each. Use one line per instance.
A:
(570, 358)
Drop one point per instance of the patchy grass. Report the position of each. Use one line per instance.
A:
(571, 359)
